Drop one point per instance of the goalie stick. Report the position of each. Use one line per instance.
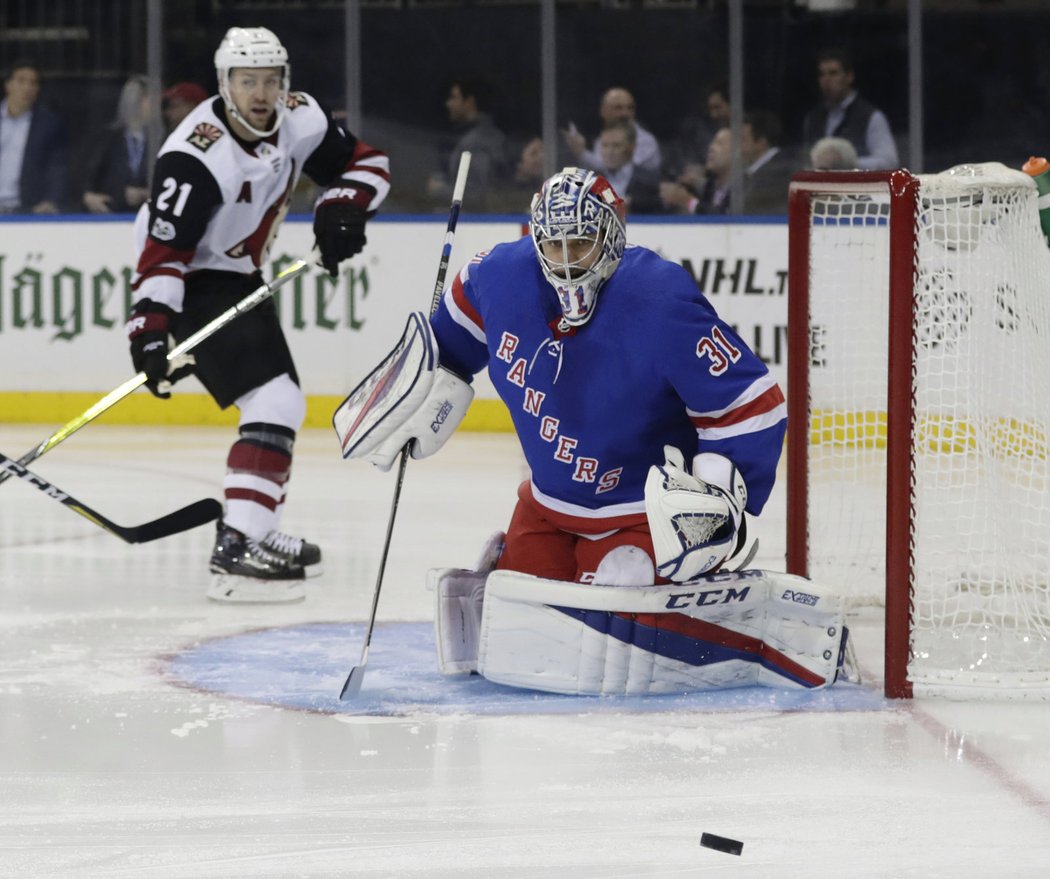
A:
(198, 513)
(119, 393)
(355, 679)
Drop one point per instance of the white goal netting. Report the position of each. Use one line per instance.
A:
(980, 495)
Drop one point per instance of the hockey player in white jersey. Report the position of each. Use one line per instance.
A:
(222, 184)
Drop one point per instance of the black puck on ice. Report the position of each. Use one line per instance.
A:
(721, 843)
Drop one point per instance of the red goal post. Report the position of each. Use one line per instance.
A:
(919, 417)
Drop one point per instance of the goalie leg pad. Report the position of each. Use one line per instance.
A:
(729, 630)
(458, 598)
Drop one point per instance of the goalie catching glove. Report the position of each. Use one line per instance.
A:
(147, 330)
(408, 398)
(696, 521)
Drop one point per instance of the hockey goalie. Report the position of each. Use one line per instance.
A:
(650, 431)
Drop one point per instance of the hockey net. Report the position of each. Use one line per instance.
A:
(919, 405)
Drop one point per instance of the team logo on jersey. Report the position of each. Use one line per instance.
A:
(257, 245)
(204, 135)
(162, 230)
(296, 99)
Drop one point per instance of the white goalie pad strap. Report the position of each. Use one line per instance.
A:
(694, 521)
(391, 393)
(729, 630)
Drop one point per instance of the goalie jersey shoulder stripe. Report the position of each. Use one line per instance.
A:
(593, 409)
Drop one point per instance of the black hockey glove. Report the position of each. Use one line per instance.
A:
(147, 330)
(339, 228)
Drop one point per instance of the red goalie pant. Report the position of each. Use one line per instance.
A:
(537, 545)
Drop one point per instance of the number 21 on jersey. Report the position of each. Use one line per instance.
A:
(168, 188)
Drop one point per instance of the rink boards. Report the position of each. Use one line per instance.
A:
(65, 289)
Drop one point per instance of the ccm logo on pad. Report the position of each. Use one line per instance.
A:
(706, 598)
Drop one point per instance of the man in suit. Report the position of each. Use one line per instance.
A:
(767, 166)
(617, 105)
(843, 112)
(635, 184)
(33, 161)
(767, 172)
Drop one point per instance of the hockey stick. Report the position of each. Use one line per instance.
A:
(119, 393)
(352, 686)
(197, 513)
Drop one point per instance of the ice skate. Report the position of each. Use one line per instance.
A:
(245, 571)
(297, 550)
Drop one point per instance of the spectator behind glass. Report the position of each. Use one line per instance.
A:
(617, 104)
(688, 153)
(718, 105)
(767, 167)
(844, 113)
(179, 100)
(33, 147)
(529, 170)
(833, 154)
(637, 186)
(116, 168)
(711, 195)
(468, 104)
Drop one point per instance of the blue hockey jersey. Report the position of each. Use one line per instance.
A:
(593, 408)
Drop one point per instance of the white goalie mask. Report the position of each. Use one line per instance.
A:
(580, 214)
(252, 47)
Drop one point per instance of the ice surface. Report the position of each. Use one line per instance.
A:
(147, 733)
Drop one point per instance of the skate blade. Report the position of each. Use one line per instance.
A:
(229, 589)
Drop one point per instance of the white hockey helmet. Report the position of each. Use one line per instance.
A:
(252, 47)
(575, 205)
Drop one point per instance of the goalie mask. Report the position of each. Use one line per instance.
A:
(577, 227)
(252, 47)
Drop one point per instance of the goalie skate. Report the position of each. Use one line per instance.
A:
(247, 572)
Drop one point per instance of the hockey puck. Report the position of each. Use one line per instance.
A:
(721, 843)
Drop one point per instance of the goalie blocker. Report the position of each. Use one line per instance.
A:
(730, 629)
(408, 398)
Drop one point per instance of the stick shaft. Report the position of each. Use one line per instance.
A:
(120, 392)
(450, 230)
(352, 686)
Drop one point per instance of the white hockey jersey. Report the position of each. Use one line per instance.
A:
(217, 201)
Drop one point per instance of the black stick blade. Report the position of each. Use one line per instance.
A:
(353, 683)
(198, 513)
